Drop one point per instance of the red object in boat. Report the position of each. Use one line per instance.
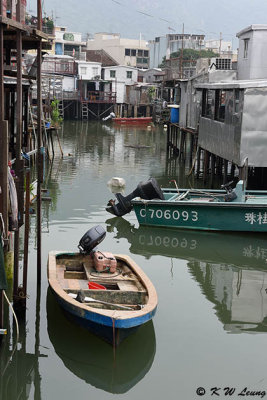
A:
(96, 286)
(133, 121)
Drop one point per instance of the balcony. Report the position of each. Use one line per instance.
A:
(81, 56)
(59, 67)
(100, 97)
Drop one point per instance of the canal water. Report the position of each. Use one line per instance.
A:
(210, 329)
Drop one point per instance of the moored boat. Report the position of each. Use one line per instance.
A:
(132, 121)
(119, 302)
(219, 210)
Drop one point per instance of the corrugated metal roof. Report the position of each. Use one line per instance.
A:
(10, 80)
(238, 84)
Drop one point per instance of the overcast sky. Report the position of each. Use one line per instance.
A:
(154, 18)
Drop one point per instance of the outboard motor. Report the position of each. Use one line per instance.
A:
(91, 239)
(103, 261)
(146, 190)
(230, 194)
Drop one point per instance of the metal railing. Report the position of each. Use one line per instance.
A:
(76, 54)
(59, 67)
(100, 97)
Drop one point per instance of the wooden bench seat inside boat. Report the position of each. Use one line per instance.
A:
(122, 287)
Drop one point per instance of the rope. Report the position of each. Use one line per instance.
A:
(15, 317)
(193, 163)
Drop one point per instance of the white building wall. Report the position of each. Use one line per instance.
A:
(68, 83)
(60, 36)
(120, 80)
(254, 64)
(157, 50)
(88, 70)
(115, 46)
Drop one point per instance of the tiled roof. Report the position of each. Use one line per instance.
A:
(100, 56)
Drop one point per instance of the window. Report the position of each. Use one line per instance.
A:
(246, 48)
(142, 60)
(95, 71)
(140, 53)
(129, 74)
(145, 53)
(127, 52)
(220, 98)
(223, 63)
(207, 98)
(133, 52)
(140, 79)
(112, 73)
(83, 70)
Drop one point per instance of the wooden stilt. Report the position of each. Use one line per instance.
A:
(39, 157)
(212, 169)
(225, 170)
(198, 162)
(3, 173)
(26, 233)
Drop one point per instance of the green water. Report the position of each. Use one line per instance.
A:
(210, 327)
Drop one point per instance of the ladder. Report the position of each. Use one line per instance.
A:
(32, 121)
(61, 107)
(84, 110)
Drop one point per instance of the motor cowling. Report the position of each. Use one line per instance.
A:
(91, 239)
(147, 190)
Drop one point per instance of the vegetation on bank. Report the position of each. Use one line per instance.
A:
(190, 54)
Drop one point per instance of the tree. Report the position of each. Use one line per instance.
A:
(190, 54)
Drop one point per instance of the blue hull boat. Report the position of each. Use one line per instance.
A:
(124, 300)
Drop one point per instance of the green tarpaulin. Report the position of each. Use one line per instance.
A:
(3, 283)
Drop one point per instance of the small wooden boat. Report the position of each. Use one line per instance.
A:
(127, 300)
(133, 121)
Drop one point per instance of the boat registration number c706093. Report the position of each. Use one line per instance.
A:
(169, 214)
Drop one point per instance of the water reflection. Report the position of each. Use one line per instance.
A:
(19, 369)
(230, 268)
(93, 360)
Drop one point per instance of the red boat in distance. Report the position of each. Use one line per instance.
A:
(132, 121)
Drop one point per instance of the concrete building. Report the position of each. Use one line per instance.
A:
(69, 43)
(132, 52)
(219, 46)
(89, 80)
(164, 46)
(153, 75)
(120, 77)
(252, 55)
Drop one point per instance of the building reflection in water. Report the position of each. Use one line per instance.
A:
(231, 268)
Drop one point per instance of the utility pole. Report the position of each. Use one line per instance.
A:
(181, 55)
(220, 48)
